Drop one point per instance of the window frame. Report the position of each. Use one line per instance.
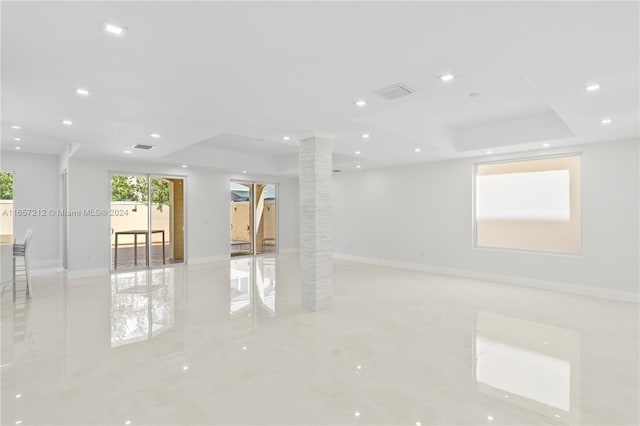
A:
(474, 227)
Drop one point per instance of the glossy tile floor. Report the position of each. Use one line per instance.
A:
(229, 344)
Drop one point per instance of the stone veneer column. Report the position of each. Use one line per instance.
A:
(316, 229)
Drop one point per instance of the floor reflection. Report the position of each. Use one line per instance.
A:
(251, 276)
(182, 345)
(531, 365)
(15, 329)
(142, 305)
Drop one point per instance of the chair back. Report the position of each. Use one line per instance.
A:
(21, 249)
(27, 238)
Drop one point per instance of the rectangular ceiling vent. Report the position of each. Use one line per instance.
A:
(394, 92)
(141, 146)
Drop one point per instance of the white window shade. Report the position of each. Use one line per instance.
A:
(529, 204)
(540, 195)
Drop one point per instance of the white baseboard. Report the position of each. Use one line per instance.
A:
(603, 293)
(288, 250)
(81, 273)
(38, 268)
(43, 271)
(209, 259)
(47, 263)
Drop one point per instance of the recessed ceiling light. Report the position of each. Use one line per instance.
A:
(358, 166)
(417, 149)
(490, 418)
(154, 135)
(113, 28)
(365, 136)
(67, 122)
(18, 148)
(18, 395)
(546, 145)
(16, 127)
(126, 151)
(17, 139)
(184, 166)
(82, 92)
(357, 414)
(286, 138)
(244, 172)
(489, 152)
(185, 367)
(606, 121)
(592, 87)
(360, 102)
(357, 152)
(447, 77)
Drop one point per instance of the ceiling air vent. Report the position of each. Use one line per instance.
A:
(336, 170)
(394, 92)
(141, 146)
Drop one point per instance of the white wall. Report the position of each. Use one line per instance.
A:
(421, 217)
(36, 183)
(207, 206)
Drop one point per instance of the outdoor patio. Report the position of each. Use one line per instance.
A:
(126, 258)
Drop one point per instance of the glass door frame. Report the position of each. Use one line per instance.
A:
(254, 228)
(149, 176)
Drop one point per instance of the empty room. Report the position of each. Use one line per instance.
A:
(320, 213)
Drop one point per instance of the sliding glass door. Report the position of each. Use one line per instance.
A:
(147, 221)
(129, 221)
(253, 224)
(265, 195)
(241, 212)
(167, 220)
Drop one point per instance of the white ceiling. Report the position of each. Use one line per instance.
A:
(223, 82)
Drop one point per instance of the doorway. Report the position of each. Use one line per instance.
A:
(253, 218)
(147, 221)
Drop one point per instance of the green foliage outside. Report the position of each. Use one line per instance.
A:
(134, 188)
(6, 186)
(240, 253)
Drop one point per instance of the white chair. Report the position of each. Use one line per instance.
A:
(22, 250)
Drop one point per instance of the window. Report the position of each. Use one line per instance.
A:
(529, 204)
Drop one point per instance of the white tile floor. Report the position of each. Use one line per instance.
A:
(229, 344)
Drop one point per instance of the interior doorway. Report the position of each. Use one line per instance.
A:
(147, 221)
(253, 218)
